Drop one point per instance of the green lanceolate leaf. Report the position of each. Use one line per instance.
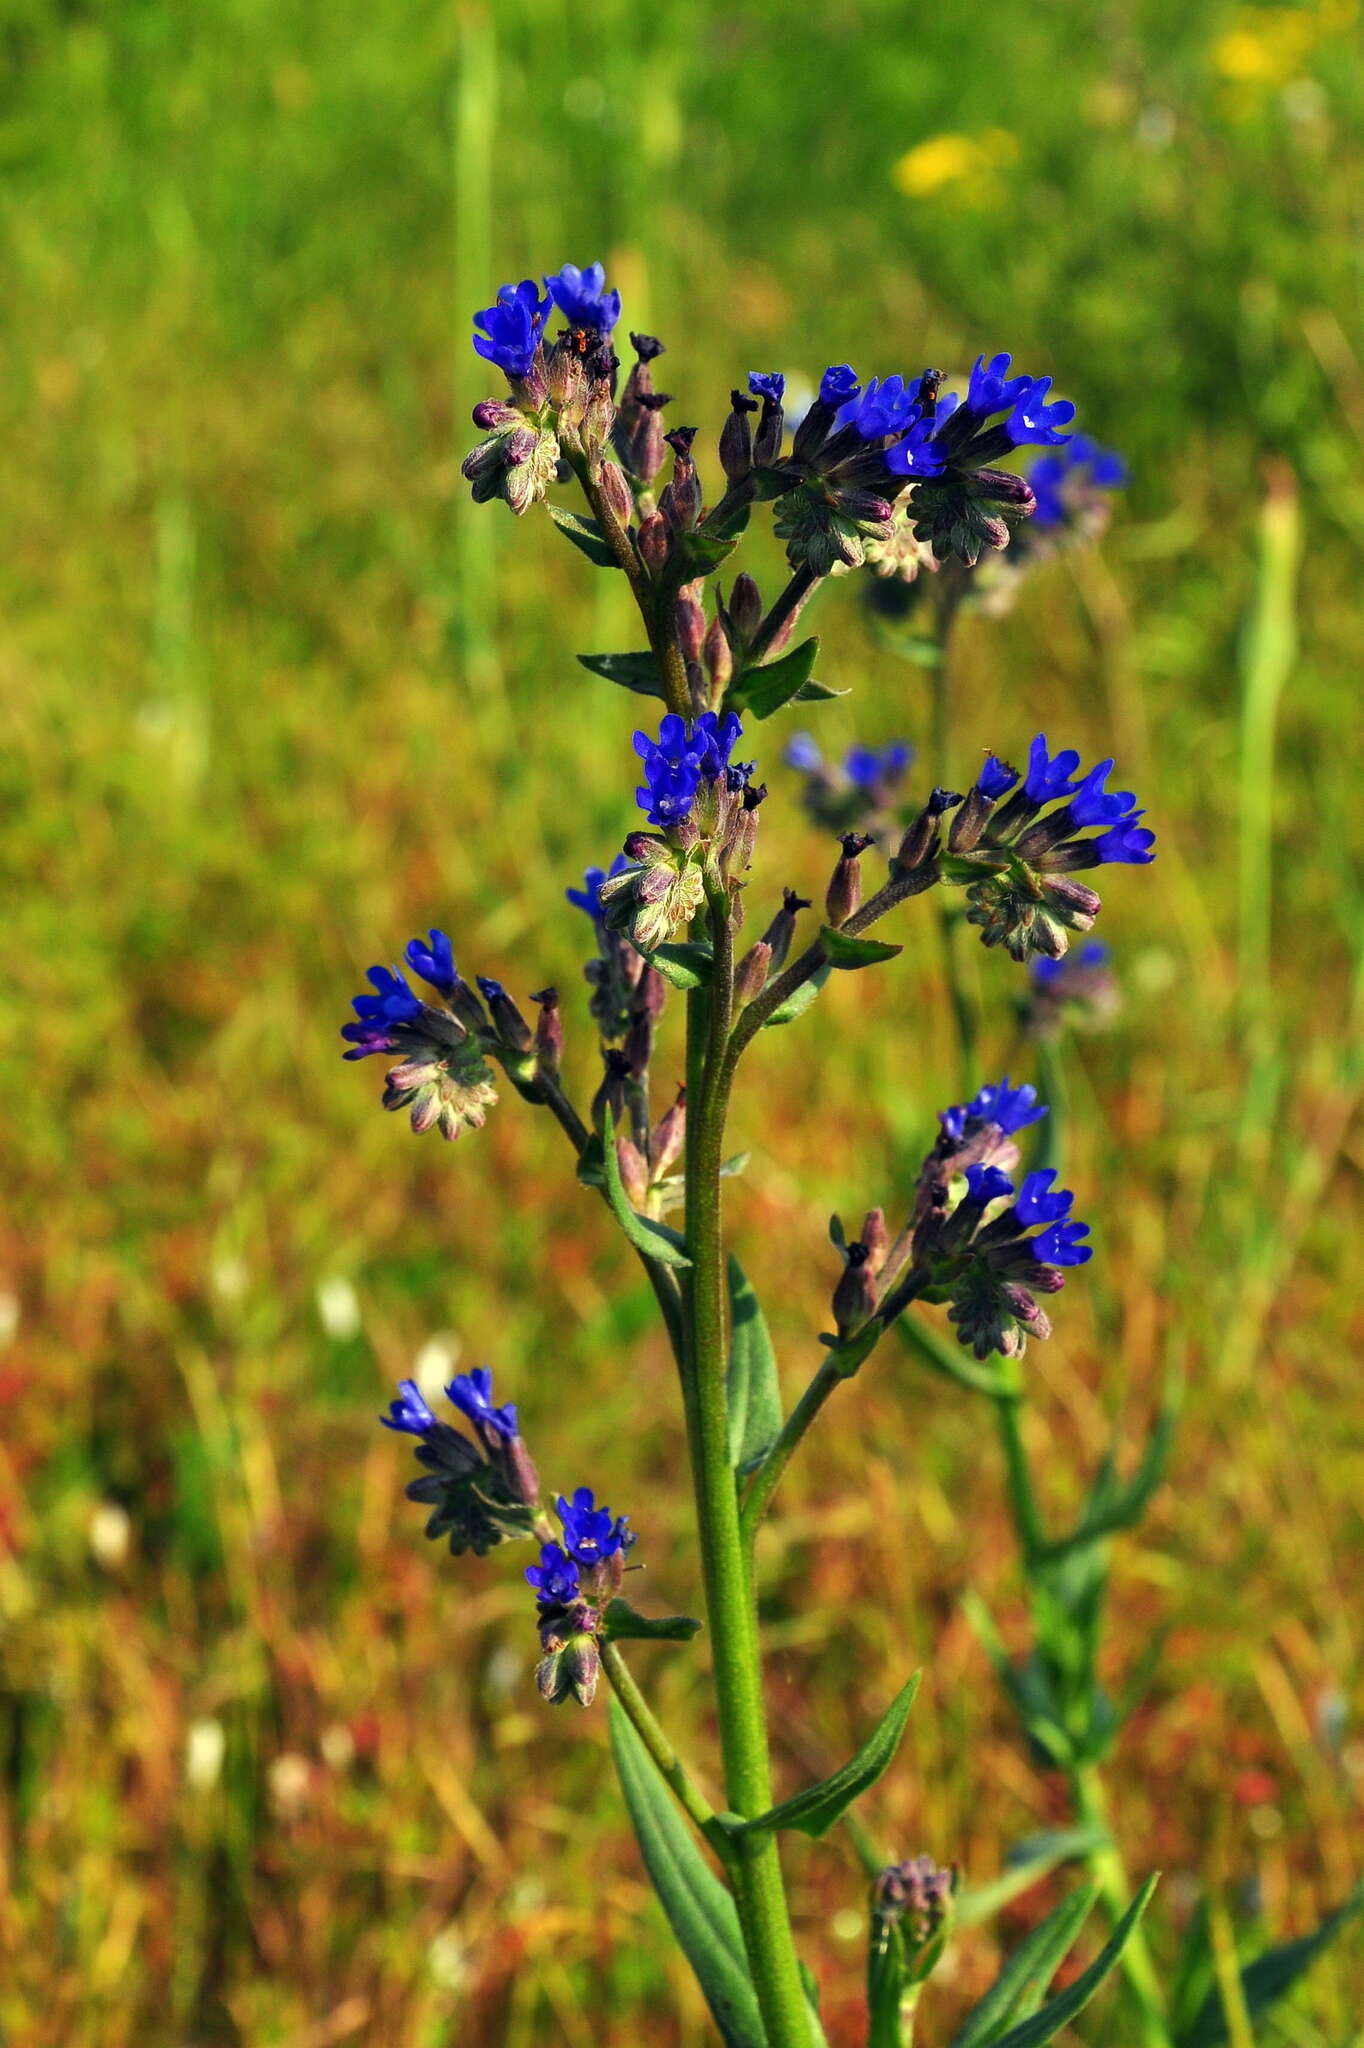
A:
(800, 1000)
(1265, 1981)
(817, 693)
(655, 1240)
(815, 1810)
(584, 534)
(700, 1910)
(686, 966)
(1027, 1973)
(637, 672)
(764, 690)
(847, 952)
(752, 1389)
(624, 1625)
(702, 553)
(1060, 2011)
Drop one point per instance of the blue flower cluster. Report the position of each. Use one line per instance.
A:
(901, 408)
(590, 1540)
(394, 1002)
(1037, 1205)
(1009, 1109)
(581, 296)
(681, 759)
(470, 1392)
(1061, 481)
(1052, 778)
(514, 325)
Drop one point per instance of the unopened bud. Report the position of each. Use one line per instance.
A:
(690, 619)
(511, 1027)
(876, 1238)
(523, 1481)
(566, 383)
(1071, 901)
(616, 493)
(767, 440)
(669, 1137)
(782, 929)
(970, 821)
(736, 438)
(493, 412)
(653, 541)
(745, 607)
(634, 1171)
(715, 653)
(598, 418)
(680, 501)
(639, 1044)
(611, 1094)
(921, 842)
(750, 978)
(549, 1034)
(845, 884)
(854, 1298)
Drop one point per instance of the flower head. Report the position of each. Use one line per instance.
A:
(472, 1394)
(1049, 774)
(838, 385)
(435, 963)
(555, 1578)
(769, 384)
(887, 406)
(1061, 1245)
(1038, 1203)
(581, 296)
(681, 759)
(409, 1413)
(1036, 419)
(512, 328)
(992, 389)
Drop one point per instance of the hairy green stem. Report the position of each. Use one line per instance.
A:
(765, 1479)
(730, 1610)
(666, 1760)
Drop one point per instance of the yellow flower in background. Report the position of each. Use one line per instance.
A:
(945, 161)
(1267, 46)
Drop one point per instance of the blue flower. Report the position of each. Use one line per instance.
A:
(1008, 1109)
(996, 778)
(1060, 1245)
(583, 299)
(434, 963)
(588, 898)
(676, 763)
(801, 752)
(916, 455)
(1128, 843)
(1049, 776)
(555, 1578)
(1037, 1204)
(409, 1413)
(1037, 420)
(865, 767)
(472, 1394)
(1094, 953)
(838, 385)
(992, 389)
(887, 406)
(1058, 480)
(767, 384)
(394, 1003)
(512, 328)
(590, 1536)
(1093, 805)
(985, 1184)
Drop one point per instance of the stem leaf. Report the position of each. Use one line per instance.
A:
(637, 672)
(764, 690)
(815, 1810)
(701, 553)
(700, 1910)
(1021, 1985)
(624, 1625)
(586, 535)
(1265, 1981)
(800, 999)
(685, 965)
(655, 1240)
(752, 1389)
(1060, 2011)
(848, 952)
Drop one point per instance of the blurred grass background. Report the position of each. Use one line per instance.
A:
(274, 698)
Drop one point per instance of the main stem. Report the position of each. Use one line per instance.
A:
(730, 1608)
(945, 606)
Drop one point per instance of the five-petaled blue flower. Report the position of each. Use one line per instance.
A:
(588, 898)
(839, 384)
(409, 1413)
(918, 454)
(434, 963)
(1093, 805)
(583, 299)
(1128, 843)
(1037, 1203)
(1049, 776)
(985, 1184)
(590, 1536)
(888, 406)
(676, 763)
(1037, 420)
(555, 1578)
(472, 1394)
(1060, 1245)
(1009, 1109)
(767, 384)
(512, 328)
(992, 389)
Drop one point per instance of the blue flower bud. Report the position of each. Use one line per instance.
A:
(767, 384)
(986, 1184)
(996, 778)
(839, 385)
(992, 389)
(1048, 777)
(409, 1413)
(1128, 843)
